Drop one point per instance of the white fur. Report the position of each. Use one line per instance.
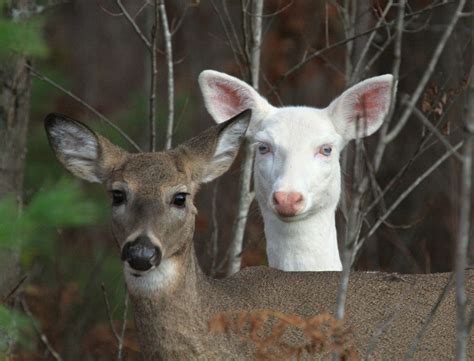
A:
(212, 82)
(156, 279)
(307, 241)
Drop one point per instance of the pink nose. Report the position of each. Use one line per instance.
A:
(288, 203)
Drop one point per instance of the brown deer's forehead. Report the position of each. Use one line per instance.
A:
(150, 173)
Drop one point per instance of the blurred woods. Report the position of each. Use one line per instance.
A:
(115, 63)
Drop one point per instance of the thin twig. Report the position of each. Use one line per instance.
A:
(421, 149)
(426, 75)
(419, 114)
(405, 194)
(89, 107)
(381, 329)
(134, 25)
(308, 58)
(44, 339)
(109, 314)
(368, 43)
(428, 319)
(15, 288)
(274, 13)
(154, 74)
(215, 230)
(232, 41)
(397, 59)
(124, 326)
(246, 27)
(169, 62)
(139, 11)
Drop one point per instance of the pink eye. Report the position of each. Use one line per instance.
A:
(263, 148)
(325, 150)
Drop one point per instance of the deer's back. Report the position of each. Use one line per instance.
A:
(386, 312)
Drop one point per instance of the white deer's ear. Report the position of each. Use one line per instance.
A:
(81, 151)
(361, 109)
(226, 96)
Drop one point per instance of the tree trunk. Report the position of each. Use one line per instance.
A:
(14, 112)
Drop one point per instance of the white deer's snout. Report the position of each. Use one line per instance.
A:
(288, 204)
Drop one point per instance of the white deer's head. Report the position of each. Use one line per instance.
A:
(297, 171)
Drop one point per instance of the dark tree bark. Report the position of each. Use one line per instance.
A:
(15, 89)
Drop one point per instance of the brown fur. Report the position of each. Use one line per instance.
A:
(172, 320)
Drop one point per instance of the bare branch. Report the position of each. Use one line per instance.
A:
(427, 75)
(419, 114)
(109, 314)
(307, 58)
(44, 339)
(215, 231)
(272, 14)
(463, 232)
(89, 107)
(397, 55)
(134, 24)
(369, 42)
(154, 75)
(236, 51)
(405, 194)
(245, 195)
(169, 62)
(352, 227)
(15, 288)
(428, 319)
(124, 326)
(256, 42)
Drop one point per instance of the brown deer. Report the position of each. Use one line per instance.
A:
(153, 219)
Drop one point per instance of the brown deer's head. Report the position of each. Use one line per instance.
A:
(151, 193)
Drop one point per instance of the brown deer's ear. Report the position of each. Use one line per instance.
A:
(212, 152)
(81, 151)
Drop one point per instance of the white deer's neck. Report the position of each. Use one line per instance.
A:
(305, 245)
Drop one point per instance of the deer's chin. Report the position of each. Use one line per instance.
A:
(291, 218)
(157, 278)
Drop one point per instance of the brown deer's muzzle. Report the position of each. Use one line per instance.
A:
(141, 254)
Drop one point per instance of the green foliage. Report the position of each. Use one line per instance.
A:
(23, 37)
(12, 324)
(32, 230)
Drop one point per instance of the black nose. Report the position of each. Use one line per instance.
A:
(141, 254)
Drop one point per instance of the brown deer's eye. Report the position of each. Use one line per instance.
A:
(179, 200)
(118, 197)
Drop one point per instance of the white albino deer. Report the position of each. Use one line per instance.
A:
(153, 218)
(297, 171)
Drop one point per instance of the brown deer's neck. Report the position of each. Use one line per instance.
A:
(173, 321)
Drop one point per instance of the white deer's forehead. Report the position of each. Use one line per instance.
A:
(296, 127)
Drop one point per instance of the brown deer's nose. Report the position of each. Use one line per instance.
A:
(288, 204)
(141, 254)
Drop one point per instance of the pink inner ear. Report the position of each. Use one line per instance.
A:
(227, 99)
(372, 103)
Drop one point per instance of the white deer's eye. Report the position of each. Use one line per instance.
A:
(325, 150)
(263, 148)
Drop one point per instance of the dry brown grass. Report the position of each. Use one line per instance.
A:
(267, 330)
